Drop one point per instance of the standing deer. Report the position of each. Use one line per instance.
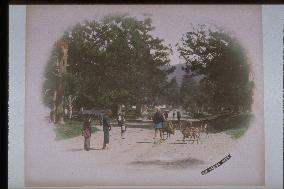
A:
(168, 128)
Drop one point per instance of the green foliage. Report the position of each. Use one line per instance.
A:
(190, 94)
(149, 113)
(235, 125)
(237, 133)
(51, 78)
(114, 61)
(70, 129)
(220, 59)
(169, 93)
(72, 84)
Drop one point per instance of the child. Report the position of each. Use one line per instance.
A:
(86, 132)
(121, 124)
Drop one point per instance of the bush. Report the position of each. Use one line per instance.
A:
(70, 129)
(237, 133)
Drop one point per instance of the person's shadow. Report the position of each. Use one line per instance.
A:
(81, 149)
(96, 148)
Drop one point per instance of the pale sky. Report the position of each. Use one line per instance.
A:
(170, 21)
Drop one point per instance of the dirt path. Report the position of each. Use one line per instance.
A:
(135, 155)
(135, 161)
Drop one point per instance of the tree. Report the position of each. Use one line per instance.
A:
(222, 61)
(170, 93)
(72, 88)
(53, 85)
(116, 61)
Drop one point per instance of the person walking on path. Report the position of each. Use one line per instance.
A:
(174, 113)
(86, 132)
(106, 129)
(166, 115)
(178, 115)
(158, 120)
(100, 117)
(121, 124)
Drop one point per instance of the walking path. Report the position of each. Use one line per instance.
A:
(134, 161)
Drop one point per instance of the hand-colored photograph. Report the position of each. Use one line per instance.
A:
(144, 95)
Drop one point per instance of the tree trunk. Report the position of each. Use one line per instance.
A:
(143, 108)
(119, 108)
(70, 105)
(202, 109)
(59, 103)
(62, 65)
(60, 113)
(138, 109)
(113, 109)
(70, 111)
(53, 108)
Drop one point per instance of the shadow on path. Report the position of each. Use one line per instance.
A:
(170, 164)
(80, 149)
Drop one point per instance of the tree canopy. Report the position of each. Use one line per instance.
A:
(219, 58)
(115, 60)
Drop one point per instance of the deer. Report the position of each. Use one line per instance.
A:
(168, 129)
(193, 133)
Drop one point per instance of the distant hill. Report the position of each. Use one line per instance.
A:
(178, 73)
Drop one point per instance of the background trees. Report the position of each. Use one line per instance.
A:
(170, 94)
(111, 62)
(221, 62)
(116, 60)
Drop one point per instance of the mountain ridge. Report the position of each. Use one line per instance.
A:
(178, 73)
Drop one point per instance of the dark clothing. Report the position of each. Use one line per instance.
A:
(166, 115)
(120, 120)
(121, 124)
(106, 128)
(106, 135)
(106, 121)
(178, 115)
(100, 116)
(158, 118)
(86, 132)
(87, 144)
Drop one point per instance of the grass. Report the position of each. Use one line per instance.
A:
(234, 126)
(70, 129)
(236, 133)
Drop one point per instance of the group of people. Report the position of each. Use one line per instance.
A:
(158, 121)
(178, 114)
(105, 122)
(166, 115)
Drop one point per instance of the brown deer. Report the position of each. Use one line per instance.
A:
(168, 129)
(188, 131)
(203, 129)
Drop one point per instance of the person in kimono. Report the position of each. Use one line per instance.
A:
(166, 115)
(86, 132)
(178, 115)
(106, 129)
(121, 124)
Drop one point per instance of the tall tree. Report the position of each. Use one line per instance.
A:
(218, 56)
(116, 61)
(170, 94)
(54, 85)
